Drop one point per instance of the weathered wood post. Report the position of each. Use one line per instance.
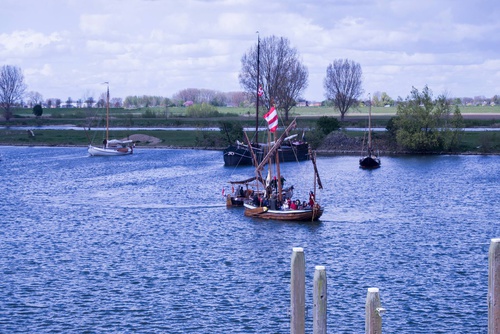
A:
(298, 292)
(319, 300)
(494, 287)
(373, 310)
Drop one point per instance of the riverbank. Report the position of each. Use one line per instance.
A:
(337, 143)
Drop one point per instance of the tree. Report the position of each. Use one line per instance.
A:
(343, 84)
(34, 98)
(37, 110)
(12, 88)
(424, 125)
(280, 73)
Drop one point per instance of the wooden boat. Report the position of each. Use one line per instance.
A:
(272, 204)
(244, 190)
(291, 149)
(111, 147)
(370, 160)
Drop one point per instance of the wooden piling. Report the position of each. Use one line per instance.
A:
(494, 287)
(319, 300)
(297, 292)
(373, 310)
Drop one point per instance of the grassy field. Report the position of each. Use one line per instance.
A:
(175, 117)
(173, 112)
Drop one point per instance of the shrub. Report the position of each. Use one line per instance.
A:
(327, 124)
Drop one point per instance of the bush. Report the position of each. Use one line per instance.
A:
(327, 124)
(231, 131)
(149, 114)
(202, 110)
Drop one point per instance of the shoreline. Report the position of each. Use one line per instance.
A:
(319, 152)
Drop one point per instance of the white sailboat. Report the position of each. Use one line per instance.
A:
(114, 146)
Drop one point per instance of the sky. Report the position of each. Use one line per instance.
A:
(68, 48)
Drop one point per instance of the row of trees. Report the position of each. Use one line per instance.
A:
(271, 74)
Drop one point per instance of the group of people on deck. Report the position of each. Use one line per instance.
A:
(270, 200)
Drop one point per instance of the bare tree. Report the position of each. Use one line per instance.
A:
(12, 88)
(280, 73)
(343, 84)
(34, 98)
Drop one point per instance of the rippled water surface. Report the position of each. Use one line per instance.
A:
(144, 243)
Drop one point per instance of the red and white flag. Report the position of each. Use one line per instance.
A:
(260, 91)
(272, 119)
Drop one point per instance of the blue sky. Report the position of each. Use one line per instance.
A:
(67, 48)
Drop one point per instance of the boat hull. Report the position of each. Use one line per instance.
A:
(311, 214)
(369, 162)
(240, 155)
(98, 151)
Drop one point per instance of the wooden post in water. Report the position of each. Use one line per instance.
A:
(494, 287)
(298, 292)
(373, 320)
(319, 300)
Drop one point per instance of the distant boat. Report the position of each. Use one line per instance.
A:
(292, 149)
(370, 160)
(111, 147)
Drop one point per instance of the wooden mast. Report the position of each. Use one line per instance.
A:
(370, 126)
(258, 86)
(278, 173)
(107, 112)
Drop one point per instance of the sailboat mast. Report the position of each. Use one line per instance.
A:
(107, 113)
(278, 172)
(258, 93)
(370, 124)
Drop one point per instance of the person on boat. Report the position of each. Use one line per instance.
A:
(256, 200)
(286, 204)
(274, 182)
(312, 199)
(289, 192)
(104, 143)
(293, 205)
(241, 193)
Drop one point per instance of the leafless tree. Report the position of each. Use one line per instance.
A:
(12, 88)
(236, 99)
(280, 73)
(343, 84)
(34, 98)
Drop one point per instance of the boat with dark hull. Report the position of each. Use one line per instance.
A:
(291, 150)
(370, 160)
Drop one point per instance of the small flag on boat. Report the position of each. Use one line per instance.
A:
(260, 91)
(272, 118)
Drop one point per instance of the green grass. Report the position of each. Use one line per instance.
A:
(307, 118)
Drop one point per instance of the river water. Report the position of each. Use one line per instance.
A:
(144, 243)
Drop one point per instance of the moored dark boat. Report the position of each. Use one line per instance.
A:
(291, 150)
(370, 161)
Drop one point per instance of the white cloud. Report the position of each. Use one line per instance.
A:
(160, 47)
